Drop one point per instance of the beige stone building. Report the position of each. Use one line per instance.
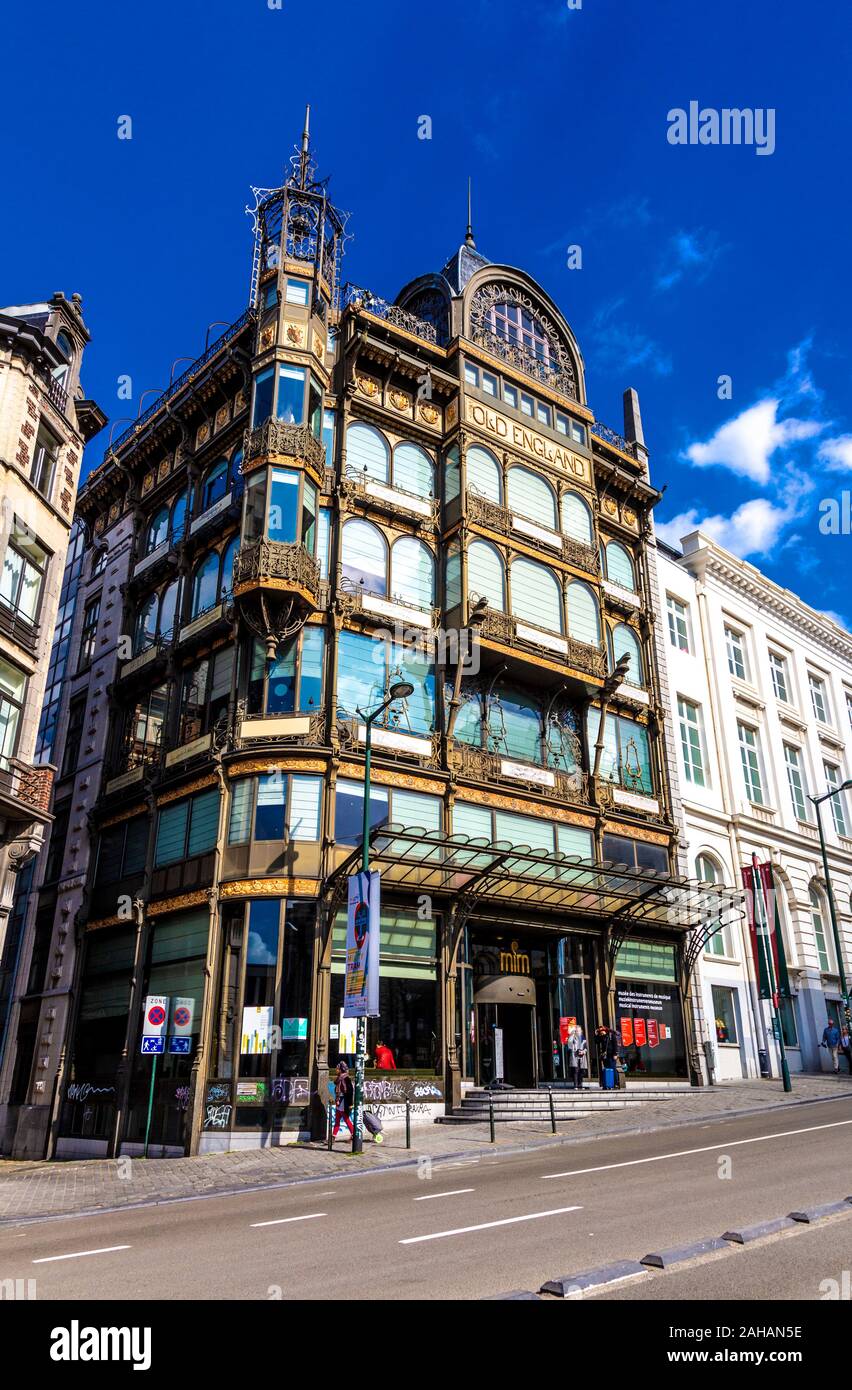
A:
(45, 421)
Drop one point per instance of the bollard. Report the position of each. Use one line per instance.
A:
(552, 1111)
(407, 1123)
(491, 1118)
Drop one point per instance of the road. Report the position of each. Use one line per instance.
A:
(467, 1230)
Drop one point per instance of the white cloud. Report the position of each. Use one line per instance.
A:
(688, 253)
(747, 443)
(836, 453)
(835, 617)
(753, 529)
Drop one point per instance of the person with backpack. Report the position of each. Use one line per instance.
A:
(344, 1096)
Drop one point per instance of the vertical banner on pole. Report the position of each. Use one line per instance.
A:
(361, 990)
(765, 931)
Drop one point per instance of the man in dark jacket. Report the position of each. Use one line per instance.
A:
(831, 1040)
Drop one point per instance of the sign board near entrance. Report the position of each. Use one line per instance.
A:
(154, 1018)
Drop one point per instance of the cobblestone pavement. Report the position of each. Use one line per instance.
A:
(33, 1190)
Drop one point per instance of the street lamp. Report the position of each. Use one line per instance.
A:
(817, 801)
(400, 690)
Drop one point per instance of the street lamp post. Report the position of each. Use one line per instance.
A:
(399, 691)
(832, 911)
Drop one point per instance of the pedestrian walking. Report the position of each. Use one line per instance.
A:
(831, 1040)
(578, 1053)
(846, 1047)
(344, 1096)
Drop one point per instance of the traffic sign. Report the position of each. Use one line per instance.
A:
(183, 1010)
(155, 1014)
(180, 1045)
(155, 1045)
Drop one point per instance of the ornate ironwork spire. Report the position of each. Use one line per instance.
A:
(468, 239)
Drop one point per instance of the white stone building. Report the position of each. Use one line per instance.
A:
(761, 692)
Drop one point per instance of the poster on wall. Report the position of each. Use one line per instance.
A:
(649, 1027)
(347, 1040)
(257, 1031)
(361, 990)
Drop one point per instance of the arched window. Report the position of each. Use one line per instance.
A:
(530, 496)
(215, 484)
(364, 557)
(536, 595)
(235, 466)
(514, 725)
(413, 470)
(619, 566)
(65, 345)
(485, 574)
(226, 578)
(517, 326)
(178, 516)
(145, 631)
(412, 568)
(824, 947)
(367, 452)
(708, 871)
(205, 584)
(158, 530)
(168, 608)
(576, 518)
(624, 642)
(583, 617)
(483, 473)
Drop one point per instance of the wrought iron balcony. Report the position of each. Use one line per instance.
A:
(357, 487)
(355, 598)
(25, 791)
(357, 298)
(300, 730)
(481, 765)
(550, 374)
(278, 439)
(56, 393)
(608, 436)
(276, 565)
(523, 636)
(18, 629)
(481, 511)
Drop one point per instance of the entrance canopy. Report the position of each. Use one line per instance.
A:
(518, 877)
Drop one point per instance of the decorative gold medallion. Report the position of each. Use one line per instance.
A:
(367, 384)
(429, 413)
(399, 400)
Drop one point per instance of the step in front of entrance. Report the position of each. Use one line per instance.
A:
(568, 1104)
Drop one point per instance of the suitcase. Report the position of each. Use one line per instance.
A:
(372, 1123)
(609, 1078)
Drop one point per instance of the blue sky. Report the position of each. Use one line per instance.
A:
(698, 261)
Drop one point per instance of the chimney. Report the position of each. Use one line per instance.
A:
(633, 432)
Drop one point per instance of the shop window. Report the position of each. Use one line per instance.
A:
(583, 616)
(530, 496)
(647, 959)
(367, 667)
(367, 453)
(186, 828)
(364, 558)
(619, 566)
(626, 758)
(725, 1015)
(636, 854)
(483, 474)
(536, 595)
(576, 518)
(486, 574)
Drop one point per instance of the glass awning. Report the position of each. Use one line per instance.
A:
(516, 876)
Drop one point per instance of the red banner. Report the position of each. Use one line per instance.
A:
(653, 1033)
(627, 1032)
(639, 1028)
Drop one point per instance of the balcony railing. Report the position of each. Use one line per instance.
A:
(481, 511)
(608, 436)
(481, 765)
(359, 298)
(277, 562)
(358, 487)
(353, 597)
(56, 393)
(549, 374)
(276, 437)
(297, 729)
(20, 630)
(29, 783)
(515, 632)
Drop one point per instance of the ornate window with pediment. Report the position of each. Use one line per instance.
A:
(508, 323)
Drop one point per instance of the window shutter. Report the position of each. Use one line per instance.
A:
(483, 474)
(583, 621)
(367, 452)
(485, 574)
(530, 496)
(536, 595)
(576, 518)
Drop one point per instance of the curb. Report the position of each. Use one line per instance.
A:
(569, 1284)
(664, 1259)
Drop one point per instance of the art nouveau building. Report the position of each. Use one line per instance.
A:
(761, 689)
(45, 420)
(344, 493)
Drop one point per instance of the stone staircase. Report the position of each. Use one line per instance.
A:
(568, 1104)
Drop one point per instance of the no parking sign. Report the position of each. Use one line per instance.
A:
(180, 1028)
(154, 1018)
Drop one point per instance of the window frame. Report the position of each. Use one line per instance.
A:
(677, 614)
(735, 645)
(757, 768)
(692, 744)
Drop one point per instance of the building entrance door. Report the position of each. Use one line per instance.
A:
(509, 1028)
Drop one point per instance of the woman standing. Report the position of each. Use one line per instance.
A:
(578, 1053)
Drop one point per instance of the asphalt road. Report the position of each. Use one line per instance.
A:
(467, 1230)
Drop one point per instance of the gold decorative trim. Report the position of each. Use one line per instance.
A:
(399, 400)
(636, 832)
(429, 413)
(288, 764)
(394, 779)
(124, 815)
(198, 785)
(367, 384)
(177, 904)
(270, 888)
(529, 808)
(108, 922)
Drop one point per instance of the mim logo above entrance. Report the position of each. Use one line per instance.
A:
(514, 962)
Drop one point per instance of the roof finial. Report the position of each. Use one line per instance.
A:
(305, 155)
(468, 240)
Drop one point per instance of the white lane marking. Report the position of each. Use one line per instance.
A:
(78, 1254)
(285, 1220)
(486, 1225)
(457, 1192)
(707, 1149)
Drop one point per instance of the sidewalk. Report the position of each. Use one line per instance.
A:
(31, 1191)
